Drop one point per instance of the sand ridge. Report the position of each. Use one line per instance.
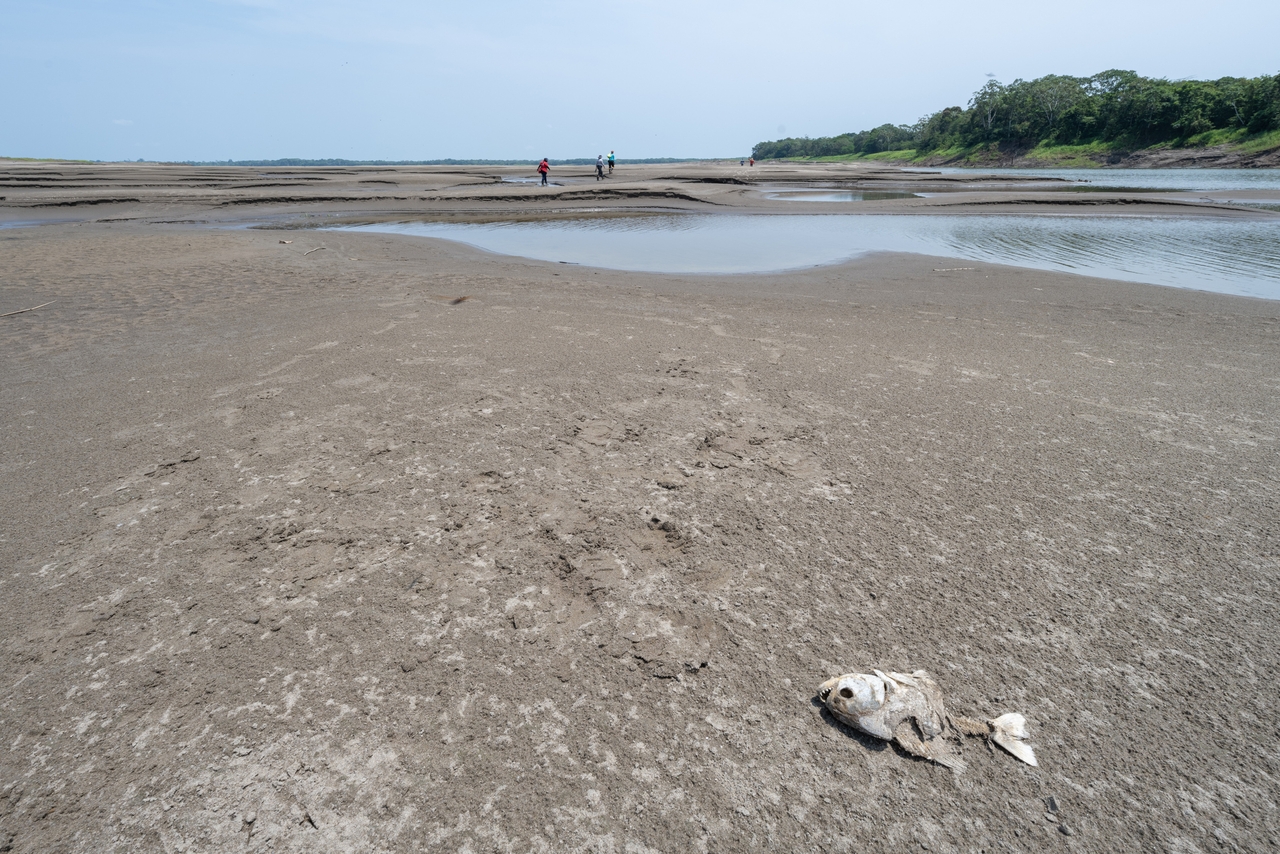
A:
(194, 195)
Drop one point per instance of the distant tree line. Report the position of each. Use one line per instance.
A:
(1121, 108)
(296, 161)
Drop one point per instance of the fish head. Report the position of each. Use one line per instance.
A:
(852, 695)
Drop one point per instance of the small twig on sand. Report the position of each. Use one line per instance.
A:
(459, 300)
(33, 308)
(317, 249)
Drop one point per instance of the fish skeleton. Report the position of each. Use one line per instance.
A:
(908, 709)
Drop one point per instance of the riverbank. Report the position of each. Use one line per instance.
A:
(395, 545)
(1261, 151)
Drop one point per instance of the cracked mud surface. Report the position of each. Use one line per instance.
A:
(302, 556)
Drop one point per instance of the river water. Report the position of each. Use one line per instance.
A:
(1234, 256)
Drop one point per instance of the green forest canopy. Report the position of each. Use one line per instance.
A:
(1121, 109)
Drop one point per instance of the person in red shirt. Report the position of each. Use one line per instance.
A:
(543, 168)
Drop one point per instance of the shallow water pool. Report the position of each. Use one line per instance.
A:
(1227, 256)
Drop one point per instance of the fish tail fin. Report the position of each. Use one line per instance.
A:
(1010, 732)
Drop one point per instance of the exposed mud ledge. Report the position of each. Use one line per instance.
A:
(1215, 157)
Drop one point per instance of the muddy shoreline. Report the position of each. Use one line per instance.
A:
(307, 552)
(1209, 157)
(181, 194)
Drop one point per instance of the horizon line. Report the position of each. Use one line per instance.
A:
(341, 161)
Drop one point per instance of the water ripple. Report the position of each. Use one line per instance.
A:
(1228, 256)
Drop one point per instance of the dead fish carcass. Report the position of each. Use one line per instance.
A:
(908, 709)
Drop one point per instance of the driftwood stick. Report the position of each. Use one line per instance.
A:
(317, 249)
(33, 308)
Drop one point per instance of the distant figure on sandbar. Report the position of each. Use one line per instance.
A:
(599, 167)
(611, 161)
(752, 162)
(543, 168)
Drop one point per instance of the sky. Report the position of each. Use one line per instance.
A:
(399, 80)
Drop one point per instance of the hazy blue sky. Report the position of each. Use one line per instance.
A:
(246, 79)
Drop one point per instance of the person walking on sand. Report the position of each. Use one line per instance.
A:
(611, 161)
(543, 168)
(599, 167)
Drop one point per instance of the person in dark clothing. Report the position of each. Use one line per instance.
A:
(543, 168)
(599, 167)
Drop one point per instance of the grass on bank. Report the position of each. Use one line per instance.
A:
(1256, 143)
(1088, 156)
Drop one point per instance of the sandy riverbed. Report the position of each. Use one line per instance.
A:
(304, 554)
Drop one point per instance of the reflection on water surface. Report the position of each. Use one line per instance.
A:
(1228, 256)
(806, 195)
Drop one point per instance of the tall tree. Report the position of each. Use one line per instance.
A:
(987, 103)
(1055, 94)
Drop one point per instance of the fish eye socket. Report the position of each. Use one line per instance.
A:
(846, 693)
